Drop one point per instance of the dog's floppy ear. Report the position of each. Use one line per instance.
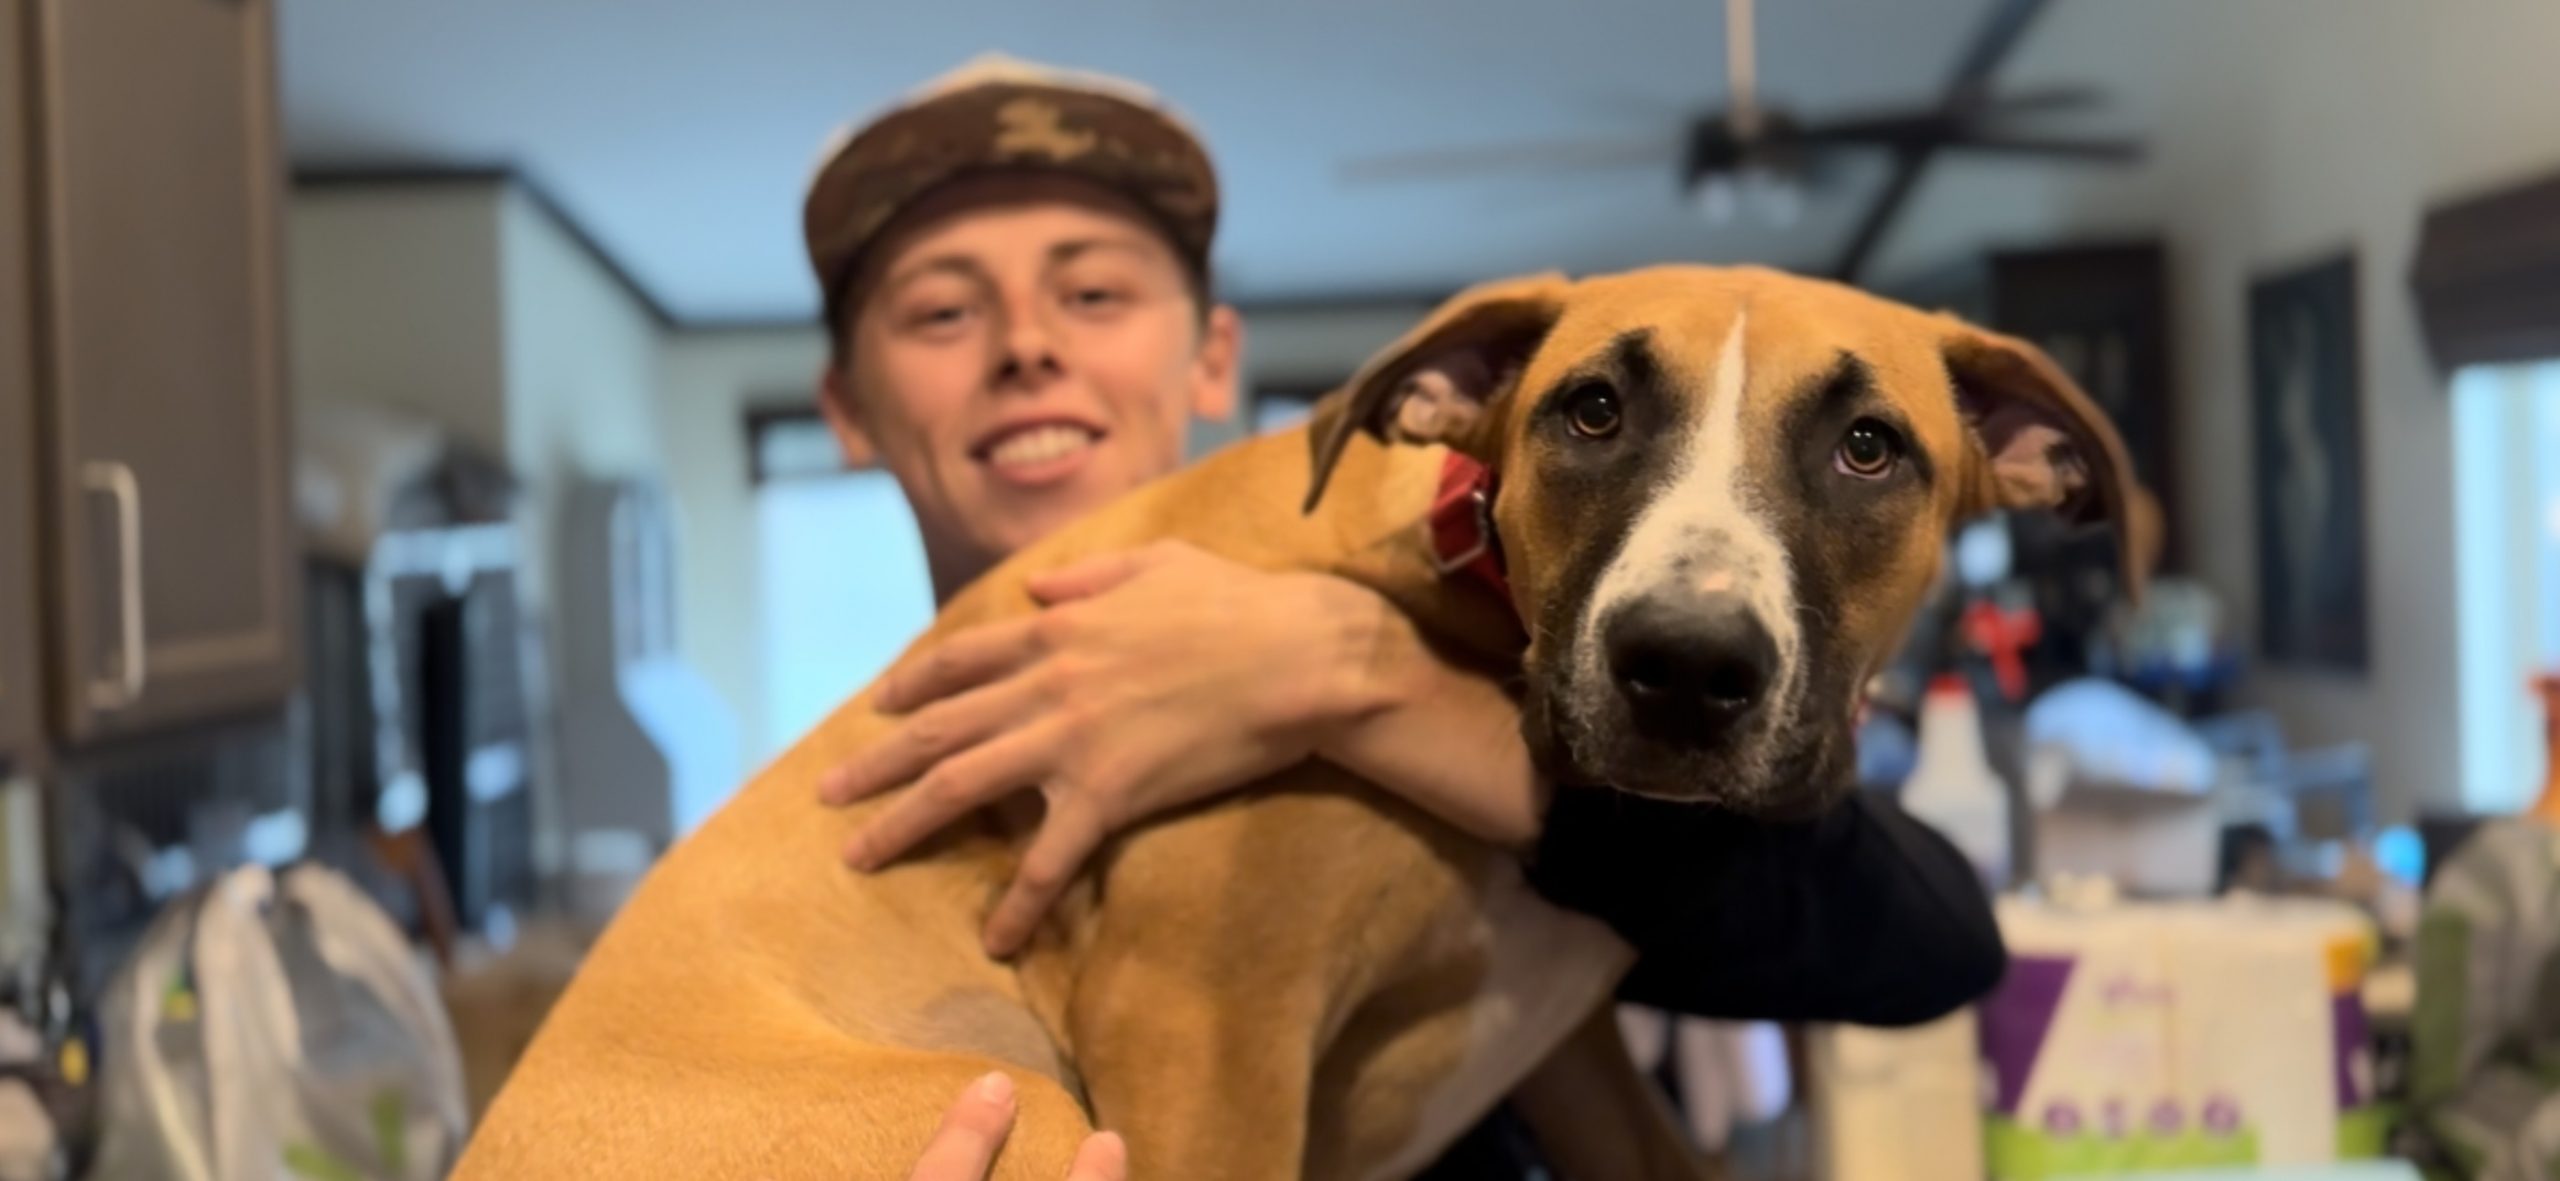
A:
(1434, 384)
(2043, 444)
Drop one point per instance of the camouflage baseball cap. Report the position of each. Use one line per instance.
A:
(997, 113)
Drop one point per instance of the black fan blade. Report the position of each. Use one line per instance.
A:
(1907, 163)
(1881, 130)
(1491, 158)
(1967, 90)
(2114, 151)
(2042, 98)
(1992, 43)
(1913, 125)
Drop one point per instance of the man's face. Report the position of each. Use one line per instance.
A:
(1017, 363)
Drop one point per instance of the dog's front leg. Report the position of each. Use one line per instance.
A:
(1204, 1082)
(1597, 1119)
(1199, 1001)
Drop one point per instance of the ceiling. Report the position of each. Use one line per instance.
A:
(678, 133)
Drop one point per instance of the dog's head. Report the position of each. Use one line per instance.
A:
(1723, 494)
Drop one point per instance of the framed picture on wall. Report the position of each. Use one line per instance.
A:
(2307, 418)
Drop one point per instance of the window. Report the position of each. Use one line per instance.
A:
(789, 439)
(843, 587)
(1278, 414)
(2507, 523)
(842, 582)
(1277, 407)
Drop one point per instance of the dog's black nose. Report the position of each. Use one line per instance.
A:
(1689, 667)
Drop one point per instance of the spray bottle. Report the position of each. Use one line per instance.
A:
(1954, 788)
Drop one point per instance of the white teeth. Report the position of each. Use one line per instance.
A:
(1041, 444)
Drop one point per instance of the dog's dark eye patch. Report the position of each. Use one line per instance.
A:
(1626, 367)
(1844, 521)
(1590, 491)
(1843, 533)
(1843, 395)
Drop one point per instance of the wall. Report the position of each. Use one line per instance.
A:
(582, 359)
(708, 381)
(394, 303)
(2286, 129)
(582, 354)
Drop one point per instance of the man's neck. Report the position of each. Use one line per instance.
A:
(952, 570)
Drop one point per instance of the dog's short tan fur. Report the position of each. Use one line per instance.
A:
(1307, 980)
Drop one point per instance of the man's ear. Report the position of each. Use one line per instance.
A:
(835, 401)
(2042, 444)
(1437, 383)
(1213, 389)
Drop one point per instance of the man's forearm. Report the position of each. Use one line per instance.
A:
(1445, 740)
(1866, 916)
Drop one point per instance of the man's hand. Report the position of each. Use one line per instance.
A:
(964, 1147)
(1149, 680)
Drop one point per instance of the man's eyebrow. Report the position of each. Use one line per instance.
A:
(1069, 251)
(965, 267)
(960, 265)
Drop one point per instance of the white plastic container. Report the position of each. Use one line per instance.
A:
(1953, 788)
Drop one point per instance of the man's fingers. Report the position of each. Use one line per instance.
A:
(1097, 574)
(1104, 1157)
(1068, 835)
(964, 1147)
(934, 733)
(954, 788)
(968, 659)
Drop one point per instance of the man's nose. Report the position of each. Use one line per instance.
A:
(1690, 665)
(1027, 349)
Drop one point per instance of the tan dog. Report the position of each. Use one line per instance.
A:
(1723, 494)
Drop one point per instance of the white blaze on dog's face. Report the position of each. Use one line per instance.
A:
(1723, 495)
(1690, 637)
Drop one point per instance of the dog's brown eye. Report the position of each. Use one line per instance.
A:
(1868, 451)
(1592, 411)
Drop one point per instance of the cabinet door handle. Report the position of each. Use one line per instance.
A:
(116, 480)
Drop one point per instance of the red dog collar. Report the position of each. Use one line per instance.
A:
(1462, 524)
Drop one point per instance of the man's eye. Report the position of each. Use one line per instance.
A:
(937, 316)
(1094, 297)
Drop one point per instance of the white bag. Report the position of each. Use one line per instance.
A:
(276, 1028)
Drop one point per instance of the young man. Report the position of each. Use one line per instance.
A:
(1015, 267)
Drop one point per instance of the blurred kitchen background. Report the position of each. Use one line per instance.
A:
(408, 459)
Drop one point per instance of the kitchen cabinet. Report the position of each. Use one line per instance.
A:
(163, 534)
(20, 720)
